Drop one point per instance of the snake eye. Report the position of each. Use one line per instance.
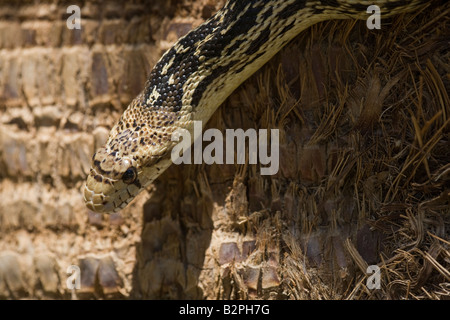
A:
(130, 175)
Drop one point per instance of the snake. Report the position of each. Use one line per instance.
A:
(194, 77)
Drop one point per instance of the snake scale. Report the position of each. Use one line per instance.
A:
(195, 76)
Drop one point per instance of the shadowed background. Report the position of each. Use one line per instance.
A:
(364, 162)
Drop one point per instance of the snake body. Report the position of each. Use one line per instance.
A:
(194, 77)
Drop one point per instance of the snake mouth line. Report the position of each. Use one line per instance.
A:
(100, 205)
(99, 202)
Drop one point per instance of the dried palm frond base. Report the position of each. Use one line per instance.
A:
(364, 179)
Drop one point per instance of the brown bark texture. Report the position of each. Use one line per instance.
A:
(364, 174)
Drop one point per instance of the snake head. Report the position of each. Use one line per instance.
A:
(117, 177)
(113, 181)
(135, 154)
